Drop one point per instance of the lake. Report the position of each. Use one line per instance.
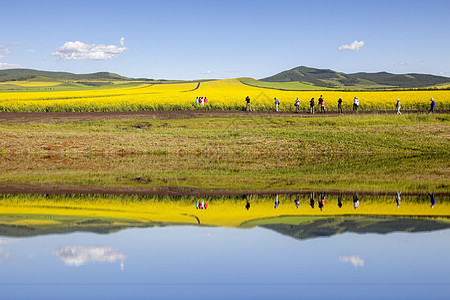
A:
(89, 246)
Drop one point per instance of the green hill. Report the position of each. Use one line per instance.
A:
(381, 80)
(27, 74)
(363, 224)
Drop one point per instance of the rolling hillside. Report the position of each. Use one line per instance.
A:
(333, 79)
(26, 74)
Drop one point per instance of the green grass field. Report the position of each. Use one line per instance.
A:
(234, 153)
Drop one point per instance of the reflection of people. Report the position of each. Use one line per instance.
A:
(398, 200)
(322, 201)
(311, 200)
(277, 203)
(355, 201)
(249, 107)
(197, 205)
(249, 198)
(432, 199)
(297, 201)
(340, 200)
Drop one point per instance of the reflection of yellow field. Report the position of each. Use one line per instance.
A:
(220, 212)
(222, 94)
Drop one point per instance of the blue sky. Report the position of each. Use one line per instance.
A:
(225, 39)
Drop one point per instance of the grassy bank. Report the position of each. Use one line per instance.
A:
(236, 153)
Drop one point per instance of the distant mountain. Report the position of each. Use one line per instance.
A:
(26, 74)
(369, 224)
(380, 80)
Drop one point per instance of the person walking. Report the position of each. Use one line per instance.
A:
(311, 105)
(197, 101)
(355, 104)
(322, 106)
(398, 106)
(277, 102)
(249, 107)
(340, 106)
(433, 105)
(297, 105)
(320, 101)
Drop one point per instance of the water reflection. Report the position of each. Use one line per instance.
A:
(78, 256)
(182, 262)
(26, 215)
(432, 199)
(355, 260)
(355, 201)
(297, 201)
(397, 199)
(340, 200)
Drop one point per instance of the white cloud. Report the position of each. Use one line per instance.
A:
(6, 51)
(355, 260)
(80, 51)
(401, 64)
(9, 66)
(353, 46)
(4, 254)
(207, 72)
(78, 256)
(30, 50)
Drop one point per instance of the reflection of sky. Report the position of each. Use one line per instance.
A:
(78, 256)
(355, 260)
(224, 263)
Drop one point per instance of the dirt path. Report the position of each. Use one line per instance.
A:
(63, 117)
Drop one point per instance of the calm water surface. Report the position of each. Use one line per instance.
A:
(194, 262)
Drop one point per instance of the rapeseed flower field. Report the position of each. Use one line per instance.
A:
(228, 94)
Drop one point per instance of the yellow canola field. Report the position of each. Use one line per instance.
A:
(228, 94)
(220, 211)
